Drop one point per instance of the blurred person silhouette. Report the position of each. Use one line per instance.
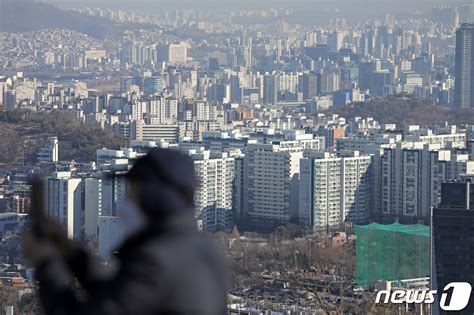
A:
(164, 266)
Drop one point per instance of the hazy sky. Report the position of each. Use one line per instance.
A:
(306, 11)
(252, 3)
(351, 9)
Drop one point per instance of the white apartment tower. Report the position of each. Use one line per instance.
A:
(271, 174)
(162, 110)
(214, 196)
(412, 174)
(64, 202)
(50, 151)
(334, 190)
(204, 110)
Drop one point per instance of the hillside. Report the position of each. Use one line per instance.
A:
(29, 15)
(403, 111)
(28, 131)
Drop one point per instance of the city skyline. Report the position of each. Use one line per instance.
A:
(321, 135)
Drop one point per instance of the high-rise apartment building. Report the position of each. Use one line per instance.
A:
(76, 203)
(204, 110)
(447, 15)
(411, 177)
(271, 180)
(126, 83)
(464, 86)
(92, 190)
(178, 53)
(335, 40)
(272, 183)
(162, 110)
(64, 202)
(50, 151)
(3, 89)
(109, 236)
(9, 99)
(245, 56)
(310, 85)
(214, 196)
(334, 190)
(152, 85)
(271, 88)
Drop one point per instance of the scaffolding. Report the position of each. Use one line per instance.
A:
(391, 252)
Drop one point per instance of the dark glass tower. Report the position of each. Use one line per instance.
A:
(452, 240)
(464, 89)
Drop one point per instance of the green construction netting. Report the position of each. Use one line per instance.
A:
(391, 252)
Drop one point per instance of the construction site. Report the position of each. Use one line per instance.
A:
(391, 252)
(328, 273)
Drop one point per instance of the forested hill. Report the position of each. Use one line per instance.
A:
(28, 15)
(28, 130)
(404, 111)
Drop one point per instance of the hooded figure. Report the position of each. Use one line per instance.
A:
(165, 266)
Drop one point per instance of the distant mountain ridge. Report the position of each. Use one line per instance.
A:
(27, 15)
